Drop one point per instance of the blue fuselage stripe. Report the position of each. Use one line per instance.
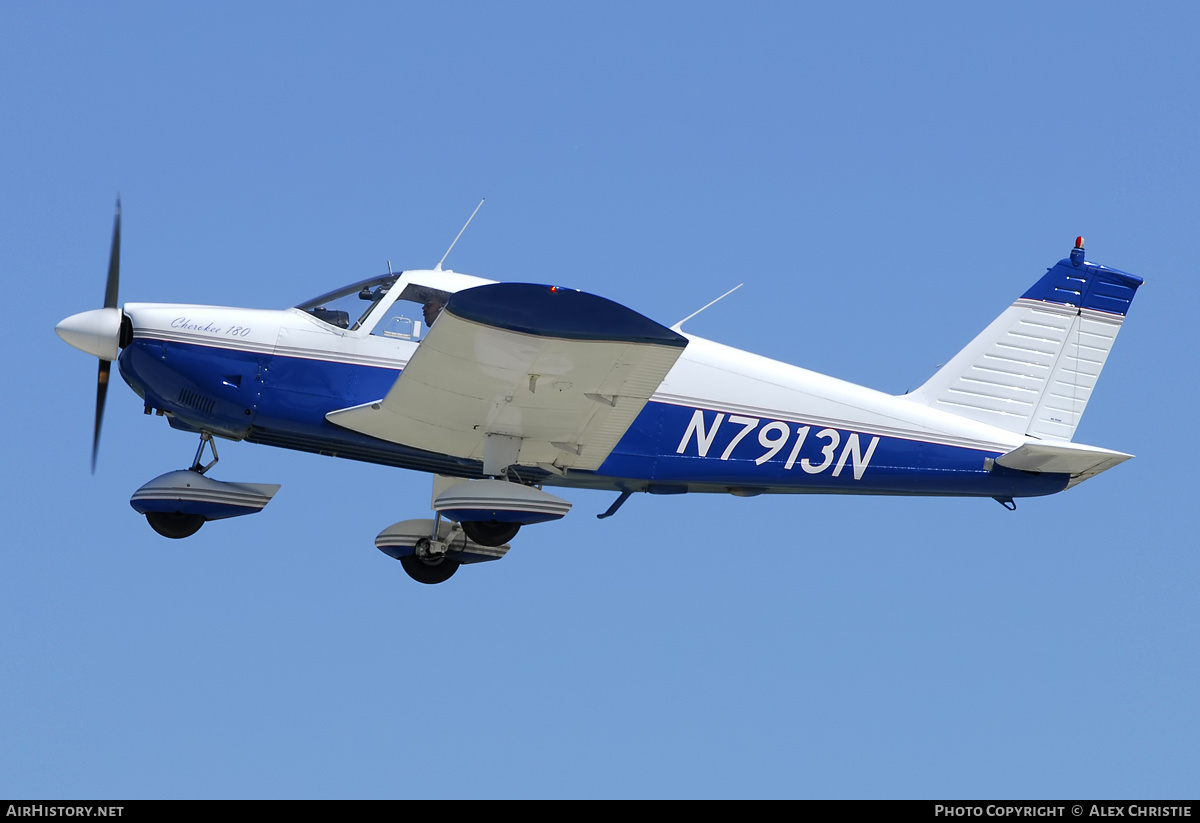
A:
(283, 401)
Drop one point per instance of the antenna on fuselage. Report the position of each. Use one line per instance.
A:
(438, 267)
(678, 327)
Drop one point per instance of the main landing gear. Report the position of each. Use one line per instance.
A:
(474, 522)
(431, 550)
(489, 532)
(429, 571)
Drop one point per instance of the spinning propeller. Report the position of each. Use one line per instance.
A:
(99, 331)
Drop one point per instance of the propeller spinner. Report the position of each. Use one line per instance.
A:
(98, 331)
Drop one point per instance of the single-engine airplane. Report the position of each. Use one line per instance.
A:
(502, 389)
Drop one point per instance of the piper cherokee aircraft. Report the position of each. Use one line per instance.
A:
(502, 389)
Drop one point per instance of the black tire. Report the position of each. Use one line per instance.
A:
(490, 532)
(423, 572)
(175, 525)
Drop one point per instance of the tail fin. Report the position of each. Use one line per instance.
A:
(1033, 369)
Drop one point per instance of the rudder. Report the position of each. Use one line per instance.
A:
(1032, 371)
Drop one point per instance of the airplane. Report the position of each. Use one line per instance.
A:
(500, 390)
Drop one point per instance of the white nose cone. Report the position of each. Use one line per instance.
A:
(96, 332)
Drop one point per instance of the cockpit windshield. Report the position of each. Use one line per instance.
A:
(349, 306)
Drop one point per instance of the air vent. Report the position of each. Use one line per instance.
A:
(196, 401)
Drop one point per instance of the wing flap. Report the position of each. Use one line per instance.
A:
(565, 371)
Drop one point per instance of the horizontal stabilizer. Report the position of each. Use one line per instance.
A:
(1081, 462)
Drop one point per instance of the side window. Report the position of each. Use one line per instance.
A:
(412, 314)
(401, 322)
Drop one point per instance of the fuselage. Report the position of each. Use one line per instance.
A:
(723, 420)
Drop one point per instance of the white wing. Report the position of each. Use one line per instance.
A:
(556, 376)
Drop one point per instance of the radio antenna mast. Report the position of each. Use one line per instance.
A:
(460, 234)
(678, 327)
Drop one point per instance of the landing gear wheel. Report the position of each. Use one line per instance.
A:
(423, 572)
(490, 532)
(175, 525)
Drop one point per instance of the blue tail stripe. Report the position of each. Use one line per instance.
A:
(1086, 285)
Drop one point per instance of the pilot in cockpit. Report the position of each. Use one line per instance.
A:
(433, 307)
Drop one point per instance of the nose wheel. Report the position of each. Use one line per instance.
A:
(175, 525)
(178, 503)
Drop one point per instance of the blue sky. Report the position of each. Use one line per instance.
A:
(885, 179)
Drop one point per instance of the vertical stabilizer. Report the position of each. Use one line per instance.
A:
(1032, 371)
